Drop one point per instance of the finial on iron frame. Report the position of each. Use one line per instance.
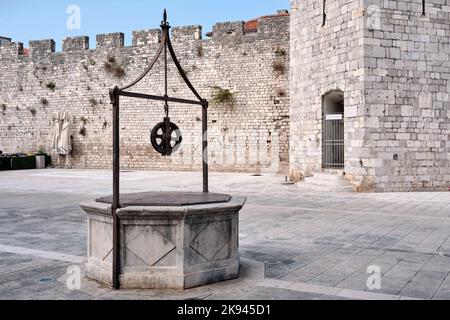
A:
(164, 23)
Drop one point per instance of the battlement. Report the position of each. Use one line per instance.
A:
(262, 26)
(250, 66)
(4, 41)
(11, 50)
(265, 27)
(110, 40)
(225, 29)
(273, 25)
(187, 33)
(76, 43)
(42, 47)
(145, 37)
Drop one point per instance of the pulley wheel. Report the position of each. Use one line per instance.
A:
(159, 138)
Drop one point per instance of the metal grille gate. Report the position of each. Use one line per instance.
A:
(333, 141)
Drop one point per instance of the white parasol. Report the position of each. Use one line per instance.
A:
(65, 143)
(56, 133)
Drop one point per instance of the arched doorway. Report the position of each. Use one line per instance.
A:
(333, 130)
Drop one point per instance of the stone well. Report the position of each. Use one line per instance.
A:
(168, 240)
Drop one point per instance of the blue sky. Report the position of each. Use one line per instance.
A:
(25, 20)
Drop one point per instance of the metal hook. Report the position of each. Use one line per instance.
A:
(166, 109)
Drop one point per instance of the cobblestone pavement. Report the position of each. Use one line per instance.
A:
(294, 244)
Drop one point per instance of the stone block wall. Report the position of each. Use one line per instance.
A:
(392, 63)
(407, 87)
(251, 134)
(324, 57)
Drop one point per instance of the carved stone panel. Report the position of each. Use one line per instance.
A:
(100, 244)
(150, 246)
(210, 242)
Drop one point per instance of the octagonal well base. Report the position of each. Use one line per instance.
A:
(165, 247)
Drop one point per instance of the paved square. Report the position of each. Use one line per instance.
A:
(295, 244)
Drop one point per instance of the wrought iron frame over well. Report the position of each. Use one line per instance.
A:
(115, 94)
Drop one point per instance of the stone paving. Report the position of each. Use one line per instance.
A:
(294, 243)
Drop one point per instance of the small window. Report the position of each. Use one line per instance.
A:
(423, 7)
(324, 14)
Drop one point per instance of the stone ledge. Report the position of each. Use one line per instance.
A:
(235, 203)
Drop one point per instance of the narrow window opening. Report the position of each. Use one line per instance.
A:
(423, 7)
(324, 14)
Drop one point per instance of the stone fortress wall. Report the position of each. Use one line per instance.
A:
(395, 78)
(396, 82)
(323, 58)
(407, 106)
(249, 134)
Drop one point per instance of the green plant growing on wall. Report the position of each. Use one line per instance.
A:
(40, 150)
(200, 52)
(111, 66)
(108, 66)
(93, 102)
(84, 120)
(111, 59)
(279, 67)
(3, 108)
(105, 124)
(119, 72)
(281, 93)
(51, 86)
(82, 132)
(33, 112)
(280, 52)
(44, 101)
(222, 96)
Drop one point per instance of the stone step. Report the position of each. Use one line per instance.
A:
(325, 188)
(322, 175)
(326, 182)
(323, 179)
(332, 171)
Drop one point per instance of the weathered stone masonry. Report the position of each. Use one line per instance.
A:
(323, 58)
(252, 64)
(396, 82)
(390, 62)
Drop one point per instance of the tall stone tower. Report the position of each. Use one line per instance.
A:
(370, 84)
